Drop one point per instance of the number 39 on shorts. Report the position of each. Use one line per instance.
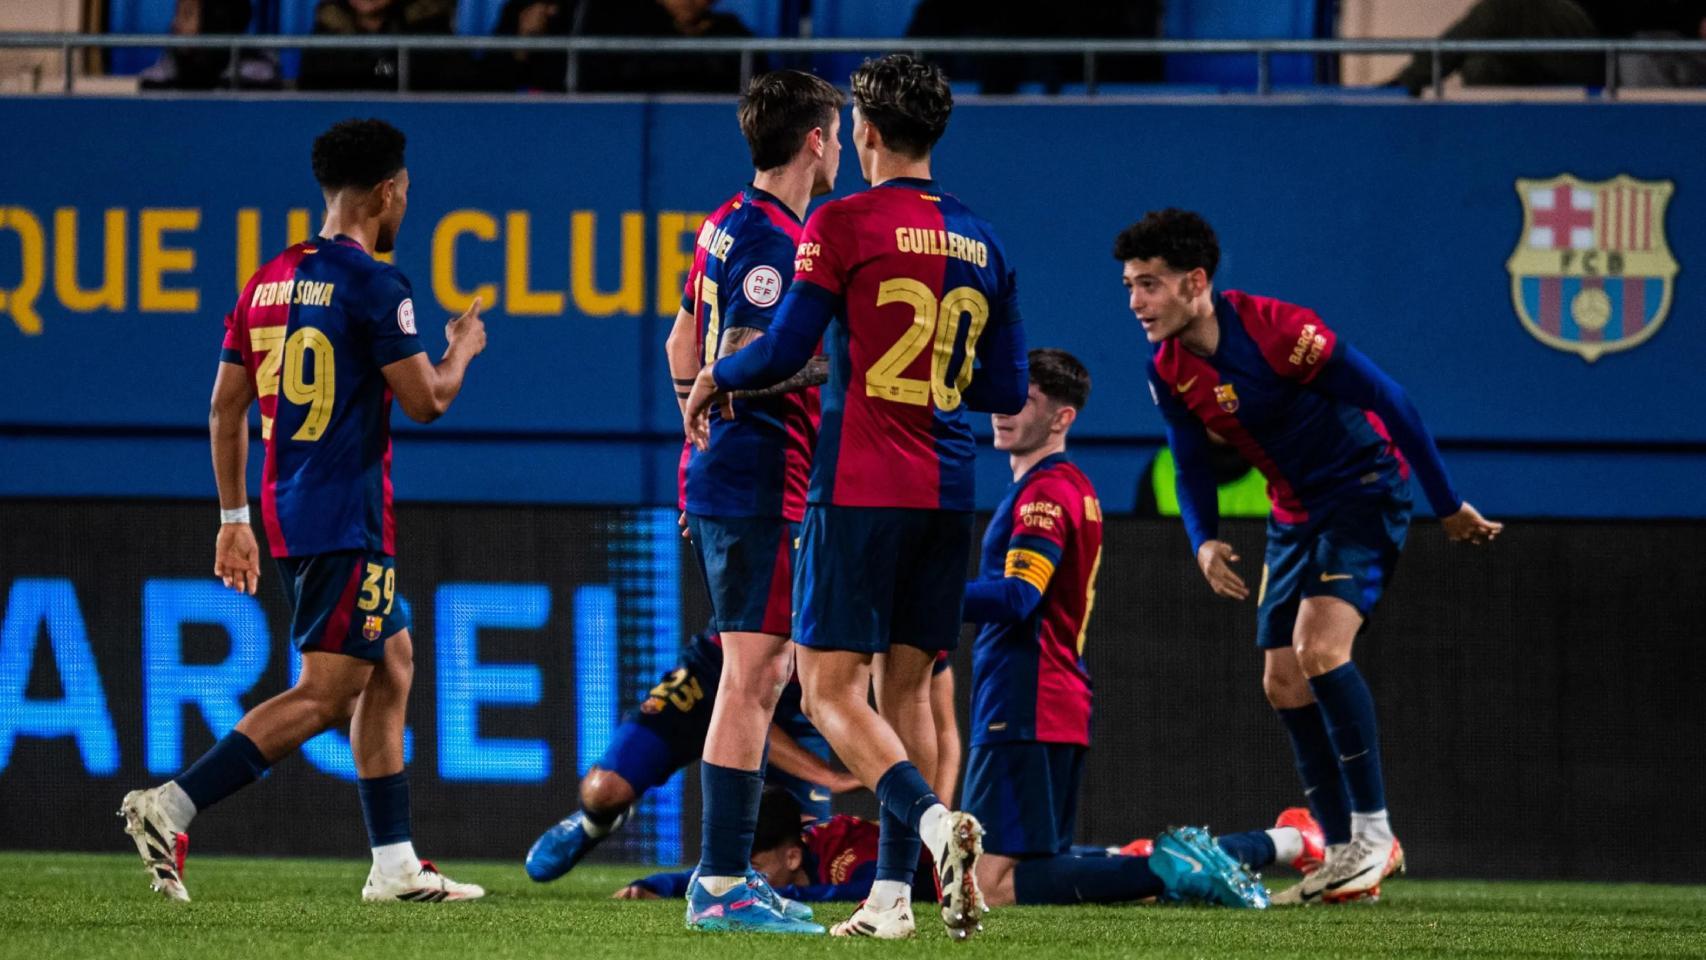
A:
(935, 324)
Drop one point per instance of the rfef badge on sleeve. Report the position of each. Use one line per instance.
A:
(1592, 273)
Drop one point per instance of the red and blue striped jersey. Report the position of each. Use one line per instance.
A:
(1255, 393)
(314, 327)
(1028, 676)
(916, 279)
(757, 464)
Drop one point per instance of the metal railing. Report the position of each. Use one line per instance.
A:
(749, 49)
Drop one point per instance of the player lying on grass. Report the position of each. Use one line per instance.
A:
(1337, 440)
(836, 860)
(666, 732)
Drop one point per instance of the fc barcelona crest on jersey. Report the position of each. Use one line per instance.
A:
(370, 627)
(1592, 272)
(1227, 397)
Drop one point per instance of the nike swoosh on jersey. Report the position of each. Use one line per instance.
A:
(1196, 865)
(1330, 577)
(1188, 384)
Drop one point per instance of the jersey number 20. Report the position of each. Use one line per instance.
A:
(307, 369)
(934, 326)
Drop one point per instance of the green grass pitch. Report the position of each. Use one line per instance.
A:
(86, 906)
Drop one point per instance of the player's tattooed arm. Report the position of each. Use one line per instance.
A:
(814, 374)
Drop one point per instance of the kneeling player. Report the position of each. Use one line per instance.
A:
(665, 733)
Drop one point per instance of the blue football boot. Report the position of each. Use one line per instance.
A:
(745, 908)
(792, 909)
(558, 849)
(1194, 868)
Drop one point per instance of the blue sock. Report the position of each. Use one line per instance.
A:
(897, 850)
(730, 817)
(232, 764)
(903, 792)
(1348, 707)
(385, 807)
(903, 796)
(1069, 879)
(1254, 849)
(1318, 768)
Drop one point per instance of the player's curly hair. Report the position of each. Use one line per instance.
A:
(907, 100)
(778, 110)
(357, 153)
(1060, 376)
(778, 820)
(1181, 238)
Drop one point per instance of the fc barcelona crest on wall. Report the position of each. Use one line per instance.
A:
(1592, 273)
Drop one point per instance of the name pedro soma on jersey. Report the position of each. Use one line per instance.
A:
(308, 293)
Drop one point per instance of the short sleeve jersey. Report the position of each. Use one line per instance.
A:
(1254, 392)
(1029, 681)
(917, 278)
(757, 464)
(314, 327)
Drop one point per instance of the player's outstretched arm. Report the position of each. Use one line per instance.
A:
(792, 339)
(425, 390)
(1199, 507)
(236, 555)
(787, 755)
(1353, 378)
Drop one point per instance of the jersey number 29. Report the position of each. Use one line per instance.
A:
(308, 372)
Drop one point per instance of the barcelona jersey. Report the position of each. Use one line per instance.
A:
(917, 280)
(758, 463)
(1254, 392)
(314, 327)
(1028, 677)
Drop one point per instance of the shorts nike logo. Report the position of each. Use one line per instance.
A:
(1188, 384)
(819, 796)
(1196, 865)
(1330, 577)
(1354, 756)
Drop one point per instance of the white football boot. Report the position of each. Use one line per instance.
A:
(1351, 873)
(956, 854)
(159, 839)
(894, 923)
(425, 886)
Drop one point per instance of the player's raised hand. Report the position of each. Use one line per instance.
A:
(1468, 524)
(1215, 558)
(696, 415)
(237, 558)
(468, 330)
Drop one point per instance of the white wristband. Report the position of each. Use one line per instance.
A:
(239, 515)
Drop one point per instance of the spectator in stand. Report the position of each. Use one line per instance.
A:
(378, 69)
(209, 69)
(1573, 20)
(1010, 19)
(660, 73)
(532, 70)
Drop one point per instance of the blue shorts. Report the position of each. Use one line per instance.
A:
(344, 602)
(1026, 796)
(1347, 550)
(666, 732)
(872, 576)
(748, 566)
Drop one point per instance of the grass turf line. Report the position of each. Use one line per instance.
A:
(99, 906)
